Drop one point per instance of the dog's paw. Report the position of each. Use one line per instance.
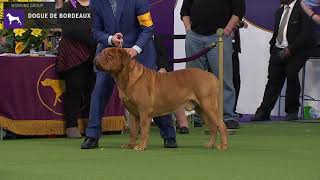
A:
(222, 147)
(127, 146)
(139, 148)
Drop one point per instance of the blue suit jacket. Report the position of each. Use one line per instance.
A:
(126, 22)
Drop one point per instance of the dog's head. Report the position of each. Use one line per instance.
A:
(112, 60)
(47, 82)
(8, 15)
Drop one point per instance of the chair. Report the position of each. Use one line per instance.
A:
(304, 97)
(315, 56)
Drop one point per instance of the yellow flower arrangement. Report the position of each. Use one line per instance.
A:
(36, 32)
(19, 31)
(19, 47)
(21, 40)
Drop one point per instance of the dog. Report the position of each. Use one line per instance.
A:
(58, 87)
(13, 18)
(147, 94)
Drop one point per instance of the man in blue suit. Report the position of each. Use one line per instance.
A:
(128, 24)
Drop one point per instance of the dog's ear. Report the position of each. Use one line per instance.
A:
(123, 55)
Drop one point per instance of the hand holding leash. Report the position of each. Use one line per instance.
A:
(117, 40)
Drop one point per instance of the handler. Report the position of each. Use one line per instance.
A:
(128, 24)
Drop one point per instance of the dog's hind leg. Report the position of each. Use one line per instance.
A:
(134, 129)
(213, 129)
(145, 122)
(210, 108)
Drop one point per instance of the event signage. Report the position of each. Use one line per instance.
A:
(36, 14)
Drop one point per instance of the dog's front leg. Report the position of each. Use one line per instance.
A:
(145, 121)
(134, 129)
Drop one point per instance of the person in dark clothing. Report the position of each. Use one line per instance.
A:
(289, 46)
(236, 42)
(202, 19)
(74, 63)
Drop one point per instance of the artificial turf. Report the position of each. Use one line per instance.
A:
(259, 151)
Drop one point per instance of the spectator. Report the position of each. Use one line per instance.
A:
(74, 63)
(235, 60)
(201, 32)
(289, 45)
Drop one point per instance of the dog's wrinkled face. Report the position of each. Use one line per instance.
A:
(112, 59)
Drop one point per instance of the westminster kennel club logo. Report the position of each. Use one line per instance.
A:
(51, 91)
(13, 18)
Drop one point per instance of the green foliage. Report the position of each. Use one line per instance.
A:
(29, 37)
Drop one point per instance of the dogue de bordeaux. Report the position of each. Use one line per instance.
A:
(147, 94)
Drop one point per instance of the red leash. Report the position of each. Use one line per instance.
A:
(195, 56)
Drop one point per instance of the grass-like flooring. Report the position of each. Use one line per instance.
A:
(258, 151)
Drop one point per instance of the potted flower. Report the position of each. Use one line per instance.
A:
(22, 40)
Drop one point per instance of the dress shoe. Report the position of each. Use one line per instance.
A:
(89, 143)
(261, 116)
(183, 130)
(293, 116)
(170, 143)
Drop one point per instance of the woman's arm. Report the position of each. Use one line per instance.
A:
(315, 17)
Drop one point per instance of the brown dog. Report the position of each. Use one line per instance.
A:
(147, 94)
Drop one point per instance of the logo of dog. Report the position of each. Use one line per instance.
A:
(58, 87)
(12, 18)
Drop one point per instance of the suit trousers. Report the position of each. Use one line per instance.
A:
(279, 70)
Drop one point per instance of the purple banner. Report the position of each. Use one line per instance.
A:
(163, 17)
(31, 90)
(261, 13)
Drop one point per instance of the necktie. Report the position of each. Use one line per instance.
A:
(113, 4)
(283, 23)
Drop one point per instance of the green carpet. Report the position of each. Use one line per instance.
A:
(259, 151)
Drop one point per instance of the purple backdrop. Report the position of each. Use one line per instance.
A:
(163, 17)
(261, 13)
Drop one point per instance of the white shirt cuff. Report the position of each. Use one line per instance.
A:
(137, 48)
(109, 40)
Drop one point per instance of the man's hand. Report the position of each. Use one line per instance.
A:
(117, 40)
(227, 31)
(287, 52)
(162, 70)
(132, 52)
(186, 22)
